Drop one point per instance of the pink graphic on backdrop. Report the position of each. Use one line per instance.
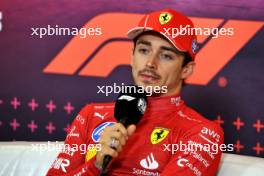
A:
(69, 108)
(14, 124)
(33, 104)
(15, 103)
(222, 82)
(50, 128)
(1, 123)
(238, 146)
(67, 128)
(1, 102)
(258, 125)
(219, 120)
(258, 148)
(32, 126)
(51, 106)
(238, 123)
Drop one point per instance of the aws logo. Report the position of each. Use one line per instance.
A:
(99, 56)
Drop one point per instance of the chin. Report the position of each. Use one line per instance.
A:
(146, 83)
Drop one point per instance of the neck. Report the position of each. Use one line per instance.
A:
(162, 104)
(175, 91)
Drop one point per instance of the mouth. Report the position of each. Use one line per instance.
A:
(149, 77)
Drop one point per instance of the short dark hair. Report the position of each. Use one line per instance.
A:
(187, 57)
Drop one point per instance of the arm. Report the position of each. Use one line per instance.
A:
(71, 161)
(202, 159)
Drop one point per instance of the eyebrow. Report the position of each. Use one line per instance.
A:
(144, 42)
(171, 49)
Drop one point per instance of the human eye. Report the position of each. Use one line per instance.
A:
(166, 56)
(143, 50)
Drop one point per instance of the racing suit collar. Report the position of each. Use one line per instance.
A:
(173, 102)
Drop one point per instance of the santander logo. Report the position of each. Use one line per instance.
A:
(149, 162)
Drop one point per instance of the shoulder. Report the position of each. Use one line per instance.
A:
(88, 108)
(90, 117)
(95, 113)
(200, 125)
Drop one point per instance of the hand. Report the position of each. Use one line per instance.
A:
(120, 135)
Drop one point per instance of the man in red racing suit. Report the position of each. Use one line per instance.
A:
(171, 139)
(143, 155)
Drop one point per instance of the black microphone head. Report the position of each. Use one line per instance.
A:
(131, 106)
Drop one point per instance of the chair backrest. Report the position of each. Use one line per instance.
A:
(240, 165)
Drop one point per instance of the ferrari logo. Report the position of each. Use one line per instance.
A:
(164, 17)
(158, 134)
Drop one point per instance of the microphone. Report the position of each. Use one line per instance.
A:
(129, 109)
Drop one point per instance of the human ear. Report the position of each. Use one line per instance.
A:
(132, 55)
(187, 70)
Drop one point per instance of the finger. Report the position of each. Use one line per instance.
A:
(118, 136)
(121, 128)
(118, 146)
(106, 150)
(110, 151)
(107, 137)
(131, 129)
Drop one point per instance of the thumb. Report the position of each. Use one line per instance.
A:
(131, 129)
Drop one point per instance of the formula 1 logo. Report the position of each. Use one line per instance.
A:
(87, 56)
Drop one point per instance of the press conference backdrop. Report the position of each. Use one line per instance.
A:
(45, 80)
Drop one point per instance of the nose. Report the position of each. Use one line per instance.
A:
(152, 62)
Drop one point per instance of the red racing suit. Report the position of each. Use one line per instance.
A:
(156, 148)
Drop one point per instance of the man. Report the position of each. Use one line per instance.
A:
(158, 59)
